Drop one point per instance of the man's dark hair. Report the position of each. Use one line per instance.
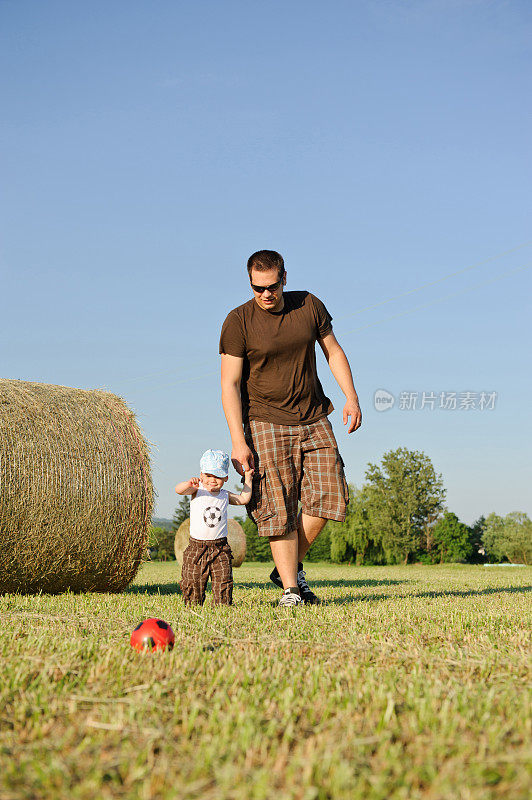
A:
(264, 260)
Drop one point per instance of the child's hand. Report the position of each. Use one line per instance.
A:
(248, 474)
(188, 487)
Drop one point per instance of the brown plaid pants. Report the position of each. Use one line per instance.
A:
(293, 463)
(203, 560)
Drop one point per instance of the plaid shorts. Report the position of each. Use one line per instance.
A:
(292, 463)
(203, 560)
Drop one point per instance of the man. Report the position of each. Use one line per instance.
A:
(277, 411)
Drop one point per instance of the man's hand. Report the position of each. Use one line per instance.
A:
(352, 409)
(242, 459)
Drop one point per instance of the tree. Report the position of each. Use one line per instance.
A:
(182, 512)
(493, 536)
(509, 537)
(342, 535)
(451, 539)
(518, 529)
(356, 539)
(476, 532)
(363, 536)
(257, 547)
(340, 548)
(163, 540)
(404, 498)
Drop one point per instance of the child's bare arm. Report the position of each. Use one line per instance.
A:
(244, 497)
(188, 487)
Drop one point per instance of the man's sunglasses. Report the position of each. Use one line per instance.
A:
(271, 288)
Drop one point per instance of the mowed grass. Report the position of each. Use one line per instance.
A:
(411, 682)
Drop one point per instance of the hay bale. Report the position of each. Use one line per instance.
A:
(237, 541)
(76, 493)
(235, 536)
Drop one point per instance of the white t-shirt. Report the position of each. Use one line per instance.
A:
(208, 514)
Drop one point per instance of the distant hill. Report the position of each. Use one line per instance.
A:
(161, 522)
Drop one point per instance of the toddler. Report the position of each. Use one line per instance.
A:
(208, 554)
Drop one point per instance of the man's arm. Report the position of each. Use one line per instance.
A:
(241, 455)
(339, 366)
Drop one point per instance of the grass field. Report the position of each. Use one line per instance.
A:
(412, 682)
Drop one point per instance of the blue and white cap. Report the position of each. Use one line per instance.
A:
(215, 462)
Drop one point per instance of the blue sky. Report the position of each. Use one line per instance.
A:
(149, 148)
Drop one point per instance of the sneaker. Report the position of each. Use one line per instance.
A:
(290, 597)
(306, 593)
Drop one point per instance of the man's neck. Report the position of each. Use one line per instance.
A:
(273, 310)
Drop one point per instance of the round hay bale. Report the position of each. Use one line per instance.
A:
(76, 492)
(235, 536)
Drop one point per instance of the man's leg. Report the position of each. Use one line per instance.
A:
(273, 505)
(323, 493)
(284, 551)
(308, 529)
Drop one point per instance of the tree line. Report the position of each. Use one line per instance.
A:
(398, 516)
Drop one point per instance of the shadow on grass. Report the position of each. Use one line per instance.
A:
(253, 584)
(355, 583)
(173, 588)
(335, 583)
(153, 588)
(346, 599)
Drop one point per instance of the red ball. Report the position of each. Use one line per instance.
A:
(152, 634)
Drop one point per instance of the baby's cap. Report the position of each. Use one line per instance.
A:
(215, 462)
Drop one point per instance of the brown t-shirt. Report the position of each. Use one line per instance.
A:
(279, 376)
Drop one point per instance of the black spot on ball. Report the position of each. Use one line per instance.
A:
(139, 626)
(148, 641)
(162, 624)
